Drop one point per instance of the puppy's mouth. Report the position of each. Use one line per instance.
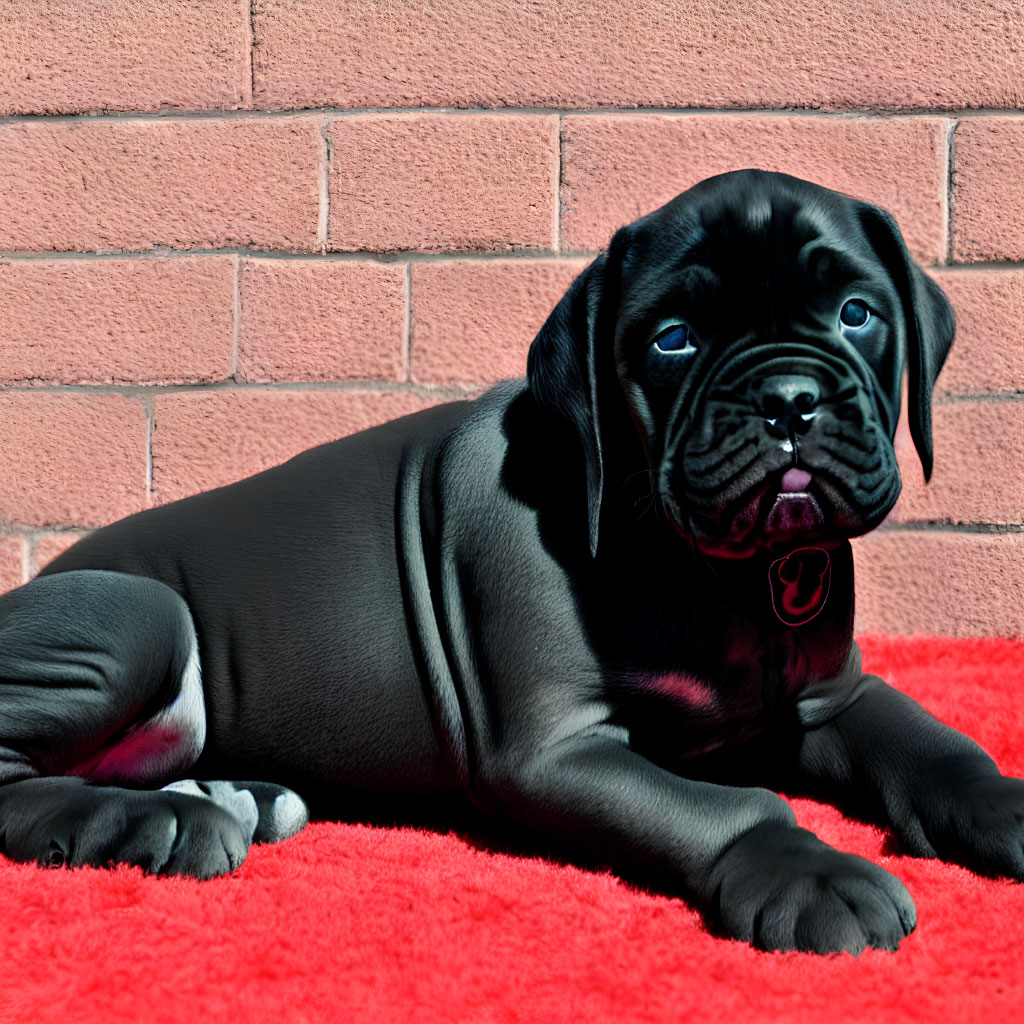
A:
(795, 509)
(790, 507)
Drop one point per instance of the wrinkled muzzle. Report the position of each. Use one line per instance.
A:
(782, 445)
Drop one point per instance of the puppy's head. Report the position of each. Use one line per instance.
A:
(755, 330)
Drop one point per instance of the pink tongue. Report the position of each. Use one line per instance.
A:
(795, 480)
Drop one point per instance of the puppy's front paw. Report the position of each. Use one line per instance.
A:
(64, 821)
(982, 827)
(779, 887)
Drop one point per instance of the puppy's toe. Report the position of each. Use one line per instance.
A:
(210, 841)
(828, 924)
(237, 801)
(282, 812)
(782, 888)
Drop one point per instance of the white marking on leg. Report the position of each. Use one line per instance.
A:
(163, 746)
(289, 816)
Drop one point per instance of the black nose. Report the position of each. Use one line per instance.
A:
(787, 403)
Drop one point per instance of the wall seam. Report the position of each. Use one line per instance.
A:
(558, 185)
(148, 409)
(252, 54)
(171, 114)
(390, 256)
(361, 385)
(408, 332)
(950, 175)
(29, 559)
(236, 318)
(323, 224)
(398, 256)
(945, 526)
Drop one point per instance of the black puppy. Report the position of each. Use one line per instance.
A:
(598, 605)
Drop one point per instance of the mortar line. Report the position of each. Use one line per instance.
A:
(29, 561)
(236, 318)
(392, 256)
(142, 391)
(950, 166)
(252, 55)
(171, 113)
(148, 409)
(407, 354)
(560, 164)
(28, 532)
(980, 397)
(323, 221)
(944, 526)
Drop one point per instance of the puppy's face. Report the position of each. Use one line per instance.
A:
(759, 343)
(757, 326)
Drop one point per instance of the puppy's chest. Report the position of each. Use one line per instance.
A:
(715, 686)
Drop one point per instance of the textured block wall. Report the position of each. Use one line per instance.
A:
(231, 230)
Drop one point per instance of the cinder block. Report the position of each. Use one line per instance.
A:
(988, 189)
(135, 321)
(186, 184)
(977, 478)
(661, 53)
(473, 321)
(987, 355)
(952, 584)
(71, 459)
(309, 320)
(617, 168)
(12, 561)
(91, 55)
(443, 182)
(207, 440)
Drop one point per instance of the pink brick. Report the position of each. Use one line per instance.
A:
(473, 321)
(138, 321)
(180, 183)
(90, 55)
(988, 190)
(48, 546)
(987, 355)
(314, 320)
(953, 584)
(71, 459)
(12, 562)
(979, 451)
(617, 168)
(206, 440)
(571, 53)
(443, 182)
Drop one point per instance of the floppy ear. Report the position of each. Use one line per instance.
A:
(930, 324)
(562, 373)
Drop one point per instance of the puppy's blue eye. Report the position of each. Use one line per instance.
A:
(854, 314)
(676, 339)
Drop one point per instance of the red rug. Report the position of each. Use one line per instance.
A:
(348, 923)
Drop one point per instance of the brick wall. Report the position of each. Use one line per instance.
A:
(229, 231)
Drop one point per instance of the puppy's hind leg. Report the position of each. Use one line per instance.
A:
(100, 690)
(99, 678)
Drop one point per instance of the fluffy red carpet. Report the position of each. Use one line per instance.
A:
(347, 923)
